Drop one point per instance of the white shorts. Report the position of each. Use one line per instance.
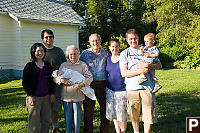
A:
(116, 105)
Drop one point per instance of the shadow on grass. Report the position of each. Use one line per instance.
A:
(6, 80)
(173, 108)
(11, 90)
(13, 120)
(12, 96)
(12, 100)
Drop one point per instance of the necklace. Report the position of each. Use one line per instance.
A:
(40, 64)
(115, 58)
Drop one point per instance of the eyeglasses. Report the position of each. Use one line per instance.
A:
(73, 54)
(50, 37)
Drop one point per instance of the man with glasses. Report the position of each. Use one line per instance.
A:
(55, 56)
(95, 58)
(138, 95)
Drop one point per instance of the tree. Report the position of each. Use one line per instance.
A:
(174, 19)
(78, 5)
(178, 25)
(111, 18)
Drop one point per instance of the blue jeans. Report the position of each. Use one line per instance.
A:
(72, 110)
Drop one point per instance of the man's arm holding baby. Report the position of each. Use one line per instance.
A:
(141, 68)
(129, 73)
(156, 65)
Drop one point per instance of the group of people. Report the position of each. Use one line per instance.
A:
(123, 83)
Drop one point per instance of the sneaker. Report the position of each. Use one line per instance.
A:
(56, 130)
(156, 88)
(142, 80)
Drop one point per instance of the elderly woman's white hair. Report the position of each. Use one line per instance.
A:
(71, 47)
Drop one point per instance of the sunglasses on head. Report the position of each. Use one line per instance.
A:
(50, 37)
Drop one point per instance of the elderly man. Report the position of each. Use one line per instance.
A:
(95, 58)
(55, 56)
(138, 95)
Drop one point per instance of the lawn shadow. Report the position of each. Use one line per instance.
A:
(11, 90)
(12, 96)
(173, 108)
(13, 120)
(5, 81)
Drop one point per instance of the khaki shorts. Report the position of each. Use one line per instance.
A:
(57, 105)
(39, 115)
(145, 99)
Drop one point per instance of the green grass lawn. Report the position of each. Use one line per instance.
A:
(179, 98)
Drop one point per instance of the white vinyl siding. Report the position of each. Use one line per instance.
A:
(17, 37)
(9, 37)
(31, 33)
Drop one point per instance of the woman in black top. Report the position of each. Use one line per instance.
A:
(38, 85)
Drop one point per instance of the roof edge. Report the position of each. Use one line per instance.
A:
(53, 22)
(42, 21)
(2, 12)
(13, 16)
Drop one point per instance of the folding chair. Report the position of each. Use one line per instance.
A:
(3, 74)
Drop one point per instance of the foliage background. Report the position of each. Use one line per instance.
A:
(176, 24)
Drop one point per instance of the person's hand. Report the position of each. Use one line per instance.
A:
(29, 61)
(142, 65)
(31, 101)
(79, 85)
(146, 55)
(58, 73)
(142, 50)
(66, 81)
(52, 98)
(143, 71)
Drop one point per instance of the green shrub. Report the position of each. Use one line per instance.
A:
(189, 62)
(175, 53)
(123, 43)
(165, 59)
(168, 55)
(178, 64)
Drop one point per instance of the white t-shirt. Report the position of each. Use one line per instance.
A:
(132, 57)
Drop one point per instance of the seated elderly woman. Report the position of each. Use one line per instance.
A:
(71, 96)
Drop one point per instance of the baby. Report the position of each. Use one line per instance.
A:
(150, 53)
(74, 77)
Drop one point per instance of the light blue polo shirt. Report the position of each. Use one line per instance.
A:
(96, 63)
(132, 57)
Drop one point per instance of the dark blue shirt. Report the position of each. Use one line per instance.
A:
(115, 79)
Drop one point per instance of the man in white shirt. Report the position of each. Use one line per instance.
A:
(138, 95)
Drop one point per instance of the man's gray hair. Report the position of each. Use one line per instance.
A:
(95, 34)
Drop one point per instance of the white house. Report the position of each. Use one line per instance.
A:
(21, 23)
